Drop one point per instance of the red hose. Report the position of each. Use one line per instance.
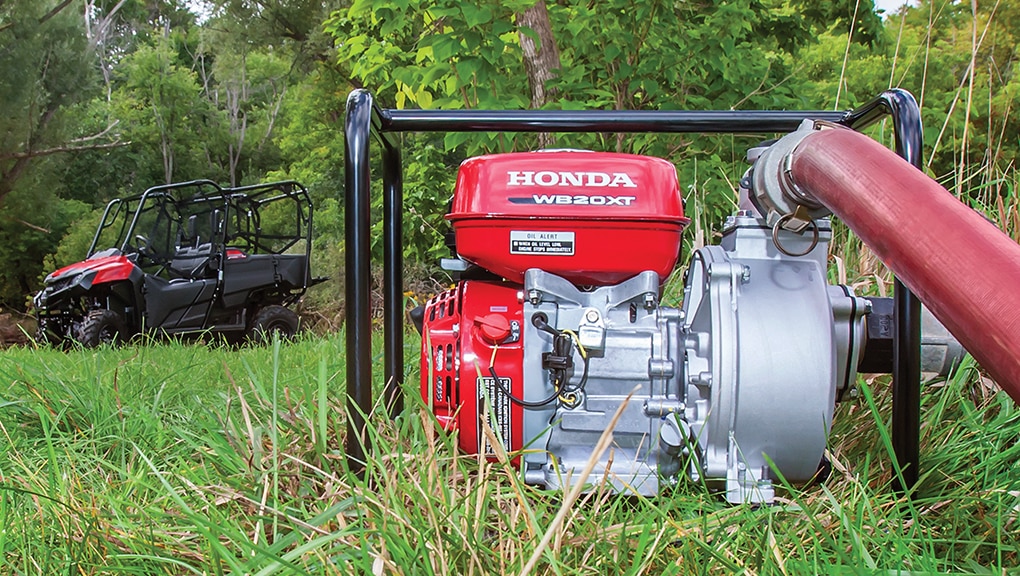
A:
(964, 269)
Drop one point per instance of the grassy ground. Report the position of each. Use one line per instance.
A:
(186, 459)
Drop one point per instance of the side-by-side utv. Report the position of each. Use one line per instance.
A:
(186, 258)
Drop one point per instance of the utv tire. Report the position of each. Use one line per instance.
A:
(101, 327)
(270, 319)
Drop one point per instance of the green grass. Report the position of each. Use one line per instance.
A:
(185, 459)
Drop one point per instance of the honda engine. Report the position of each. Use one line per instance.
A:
(557, 324)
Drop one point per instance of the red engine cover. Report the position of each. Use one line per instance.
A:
(595, 218)
(461, 328)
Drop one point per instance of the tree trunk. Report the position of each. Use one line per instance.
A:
(9, 175)
(541, 59)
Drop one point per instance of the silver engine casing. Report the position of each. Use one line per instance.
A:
(739, 382)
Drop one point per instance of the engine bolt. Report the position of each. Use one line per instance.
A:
(534, 296)
(745, 275)
(592, 316)
(649, 300)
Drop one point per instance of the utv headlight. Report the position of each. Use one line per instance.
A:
(84, 279)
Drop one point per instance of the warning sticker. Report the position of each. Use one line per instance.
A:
(542, 243)
(498, 413)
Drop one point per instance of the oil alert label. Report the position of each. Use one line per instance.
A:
(542, 243)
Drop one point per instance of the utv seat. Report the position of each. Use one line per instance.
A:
(192, 263)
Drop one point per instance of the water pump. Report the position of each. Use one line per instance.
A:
(557, 320)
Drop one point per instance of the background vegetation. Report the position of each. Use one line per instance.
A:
(165, 458)
(107, 97)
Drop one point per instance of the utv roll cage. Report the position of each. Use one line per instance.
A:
(365, 120)
(199, 212)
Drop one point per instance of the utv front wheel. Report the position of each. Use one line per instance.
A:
(45, 337)
(101, 327)
(270, 319)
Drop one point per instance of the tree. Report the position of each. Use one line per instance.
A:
(48, 75)
(161, 104)
(541, 56)
(538, 46)
(33, 219)
(612, 54)
(959, 60)
(46, 68)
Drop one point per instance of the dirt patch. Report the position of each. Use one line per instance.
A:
(15, 328)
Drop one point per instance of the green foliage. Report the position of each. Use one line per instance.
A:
(97, 176)
(652, 56)
(428, 189)
(255, 91)
(32, 222)
(74, 246)
(270, 21)
(46, 68)
(615, 55)
(442, 54)
(854, 18)
(929, 50)
(46, 73)
(163, 110)
(309, 133)
(248, 88)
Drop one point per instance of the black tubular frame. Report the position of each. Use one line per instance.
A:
(364, 119)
